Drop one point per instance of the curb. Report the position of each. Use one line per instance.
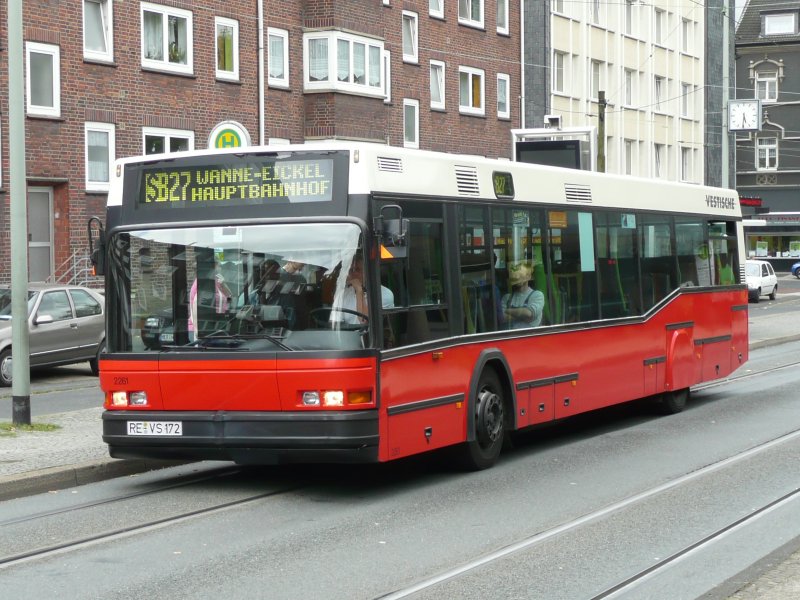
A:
(51, 479)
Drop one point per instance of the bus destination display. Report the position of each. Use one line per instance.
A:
(238, 184)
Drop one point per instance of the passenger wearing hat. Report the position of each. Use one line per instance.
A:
(523, 306)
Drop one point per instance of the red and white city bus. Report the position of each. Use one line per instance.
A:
(359, 303)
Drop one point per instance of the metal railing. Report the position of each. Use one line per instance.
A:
(76, 270)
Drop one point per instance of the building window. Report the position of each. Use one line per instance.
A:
(629, 17)
(629, 79)
(437, 85)
(410, 123)
(98, 30)
(503, 89)
(659, 22)
(629, 145)
(558, 6)
(686, 100)
(686, 164)
(387, 77)
(227, 40)
(767, 153)
(166, 38)
(471, 91)
(686, 35)
(410, 40)
(278, 48)
(779, 24)
(594, 7)
(166, 141)
(559, 62)
(502, 17)
(355, 60)
(659, 160)
(659, 90)
(767, 86)
(436, 8)
(43, 79)
(99, 155)
(594, 83)
(470, 12)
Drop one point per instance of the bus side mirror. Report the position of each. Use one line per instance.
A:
(392, 231)
(97, 247)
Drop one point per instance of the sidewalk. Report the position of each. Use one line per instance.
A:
(38, 462)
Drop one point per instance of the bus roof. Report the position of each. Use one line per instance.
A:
(389, 170)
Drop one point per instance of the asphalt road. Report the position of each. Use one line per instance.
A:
(571, 512)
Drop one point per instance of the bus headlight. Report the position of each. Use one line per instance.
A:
(310, 398)
(333, 398)
(122, 398)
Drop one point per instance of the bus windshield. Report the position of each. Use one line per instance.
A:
(240, 288)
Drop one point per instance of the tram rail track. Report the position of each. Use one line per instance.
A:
(530, 542)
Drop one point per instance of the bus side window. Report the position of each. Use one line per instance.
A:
(692, 251)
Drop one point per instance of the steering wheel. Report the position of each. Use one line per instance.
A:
(322, 318)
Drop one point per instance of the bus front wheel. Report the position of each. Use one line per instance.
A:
(489, 409)
(674, 402)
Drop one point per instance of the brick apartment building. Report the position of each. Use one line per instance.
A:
(107, 79)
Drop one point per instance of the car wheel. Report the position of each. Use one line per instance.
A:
(5, 367)
(774, 292)
(94, 363)
(757, 296)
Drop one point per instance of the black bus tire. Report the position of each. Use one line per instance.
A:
(489, 406)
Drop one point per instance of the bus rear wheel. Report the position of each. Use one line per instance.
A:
(673, 402)
(490, 412)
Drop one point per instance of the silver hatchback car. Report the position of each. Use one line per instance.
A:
(66, 325)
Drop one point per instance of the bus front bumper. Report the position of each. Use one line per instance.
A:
(244, 437)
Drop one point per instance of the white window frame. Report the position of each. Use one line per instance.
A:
(471, 72)
(686, 164)
(557, 6)
(167, 134)
(628, 148)
(686, 100)
(438, 76)
(780, 23)
(413, 104)
(504, 79)
(659, 161)
(283, 35)
(436, 8)
(109, 129)
(659, 92)
(54, 52)
(686, 35)
(164, 64)
(766, 86)
(465, 13)
(595, 67)
(560, 60)
(766, 160)
(386, 58)
(223, 22)
(410, 27)
(627, 17)
(503, 27)
(332, 83)
(595, 17)
(659, 23)
(107, 17)
(629, 76)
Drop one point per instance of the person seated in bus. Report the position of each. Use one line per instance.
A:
(219, 302)
(288, 293)
(354, 298)
(523, 306)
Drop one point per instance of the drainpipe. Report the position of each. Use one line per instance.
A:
(522, 65)
(261, 126)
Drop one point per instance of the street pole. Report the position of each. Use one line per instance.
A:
(20, 370)
(725, 182)
(601, 131)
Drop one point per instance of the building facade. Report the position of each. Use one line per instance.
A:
(659, 65)
(768, 158)
(107, 79)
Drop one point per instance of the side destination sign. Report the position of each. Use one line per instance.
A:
(238, 184)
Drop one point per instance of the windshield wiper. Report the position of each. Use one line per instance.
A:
(227, 342)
